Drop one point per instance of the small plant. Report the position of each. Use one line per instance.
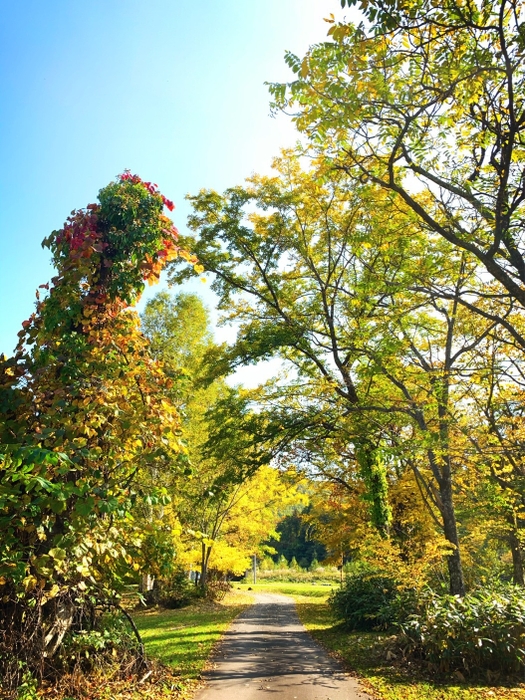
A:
(111, 638)
(217, 589)
(174, 591)
(27, 690)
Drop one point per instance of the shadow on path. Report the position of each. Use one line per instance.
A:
(267, 650)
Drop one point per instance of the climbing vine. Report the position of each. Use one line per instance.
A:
(84, 418)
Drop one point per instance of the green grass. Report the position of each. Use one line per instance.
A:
(365, 654)
(184, 639)
(308, 590)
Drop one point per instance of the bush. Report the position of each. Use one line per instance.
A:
(326, 575)
(111, 636)
(484, 631)
(174, 591)
(217, 589)
(371, 599)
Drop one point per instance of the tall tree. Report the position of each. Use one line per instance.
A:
(319, 275)
(428, 102)
(82, 415)
(226, 506)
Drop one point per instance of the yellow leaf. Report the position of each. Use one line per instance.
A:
(53, 591)
(29, 583)
(304, 68)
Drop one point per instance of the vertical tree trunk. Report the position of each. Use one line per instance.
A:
(373, 473)
(517, 559)
(455, 568)
(204, 566)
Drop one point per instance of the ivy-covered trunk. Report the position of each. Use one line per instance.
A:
(82, 412)
(373, 473)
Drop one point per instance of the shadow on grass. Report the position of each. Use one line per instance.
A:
(367, 654)
(184, 638)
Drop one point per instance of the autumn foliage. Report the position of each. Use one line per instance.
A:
(83, 416)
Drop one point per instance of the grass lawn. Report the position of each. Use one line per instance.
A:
(364, 653)
(184, 639)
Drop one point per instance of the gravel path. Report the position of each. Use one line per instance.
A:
(268, 651)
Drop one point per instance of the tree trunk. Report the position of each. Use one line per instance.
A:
(455, 568)
(205, 558)
(517, 559)
(146, 583)
(373, 473)
(58, 626)
(202, 581)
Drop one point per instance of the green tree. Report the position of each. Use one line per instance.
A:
(316, 271)
(298, 539)
(428, 103)
(225, 507)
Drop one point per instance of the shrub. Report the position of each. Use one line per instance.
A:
(485, 630)
(371, 599)
(217, 589)
(174, 591)
(327, 575)
(111, 636)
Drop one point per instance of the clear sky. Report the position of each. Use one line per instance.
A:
(171, 89)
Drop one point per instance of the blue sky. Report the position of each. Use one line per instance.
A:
(171, 89)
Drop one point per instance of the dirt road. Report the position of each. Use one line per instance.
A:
(267, 651)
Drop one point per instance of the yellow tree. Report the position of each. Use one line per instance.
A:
(339, 280)
(229, 526)
(427, 101)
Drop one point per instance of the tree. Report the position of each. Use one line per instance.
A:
(178, 329)
(496, 437)
(298, 538)
(319, 275)
(236, 521)
(230, 501)
(82, 418)
(428, 103)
